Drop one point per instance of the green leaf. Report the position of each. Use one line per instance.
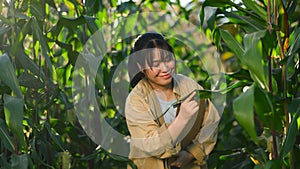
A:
(8, 76)
(70, 23)
(233, 44)
(206, 94)
(17, 46)
(13, 109)
(218, 3)
(292, 8)
(29, 65)
(249, 23)
(253, 57)
(51, 3)
(90, 21)
(40, 37)
(53, 136)
(30, 81)
(243, 112)
(265, 109)
(3, 161)
(36, 9)
(272, 164)
(22, 58)
(5, 137)
(125, 26)
(251, 5)
(3, 30)
(295, 45)
(5, 20)
(293, 129)
(217, 38)
(19, 161)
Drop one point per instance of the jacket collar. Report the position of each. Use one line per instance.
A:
(146, 91)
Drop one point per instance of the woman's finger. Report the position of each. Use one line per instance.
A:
(190, 97)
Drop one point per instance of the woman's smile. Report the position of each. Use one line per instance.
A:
(165, 76)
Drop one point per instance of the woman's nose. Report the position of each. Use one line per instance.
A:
(163, 66)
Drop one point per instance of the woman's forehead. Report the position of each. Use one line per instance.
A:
(157, 53)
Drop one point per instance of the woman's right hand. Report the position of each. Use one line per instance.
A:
(189, 107)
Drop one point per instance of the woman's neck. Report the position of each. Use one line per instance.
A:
(164, 92)
(165, 95)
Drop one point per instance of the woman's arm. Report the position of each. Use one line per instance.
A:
(149, 139)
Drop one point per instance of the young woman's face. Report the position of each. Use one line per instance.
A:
(160, 71)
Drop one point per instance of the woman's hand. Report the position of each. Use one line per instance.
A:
(183, 158)
(184, 121)
(189, 107)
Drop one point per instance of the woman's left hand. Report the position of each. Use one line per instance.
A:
(183, 158)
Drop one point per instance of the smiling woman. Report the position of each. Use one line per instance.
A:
(164, 136)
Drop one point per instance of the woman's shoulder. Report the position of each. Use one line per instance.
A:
(141, 90)
(186, 83)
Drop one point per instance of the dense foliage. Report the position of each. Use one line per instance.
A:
(258, 42)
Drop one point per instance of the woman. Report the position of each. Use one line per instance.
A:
(164, 136)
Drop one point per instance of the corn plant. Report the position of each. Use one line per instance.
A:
(263, 38)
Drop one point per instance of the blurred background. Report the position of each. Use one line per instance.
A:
(40, 40)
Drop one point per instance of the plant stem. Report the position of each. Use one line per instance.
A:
(16, 145)
(274, 137)
(282, 48)
(269, 17)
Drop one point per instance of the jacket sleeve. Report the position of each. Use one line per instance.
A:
(206, 139)
(147, 138)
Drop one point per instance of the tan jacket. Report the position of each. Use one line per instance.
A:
(151, 145)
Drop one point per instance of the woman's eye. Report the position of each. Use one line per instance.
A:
(168, 58)
(155, 64)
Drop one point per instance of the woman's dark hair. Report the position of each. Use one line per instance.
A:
(140, 56)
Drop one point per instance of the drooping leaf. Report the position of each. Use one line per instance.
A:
(233, 44)
(258, 10)
(13, 109)
(17, 46)
(51, 3)
(90, 21)
(37, 32)
(53, 136)
(6, 20)
(265, 110)
(4, 30)
(19, 161)
(293, 129)
(8, 76)
(251, 24)
(244, 112)
(5, 137)
(29, 65)
(3, 161)
(36, 9)
(218, 3)
(70, 23)
(294, 48)
(126, 26)
(30, 81)
(291, 8)
(253, 57)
